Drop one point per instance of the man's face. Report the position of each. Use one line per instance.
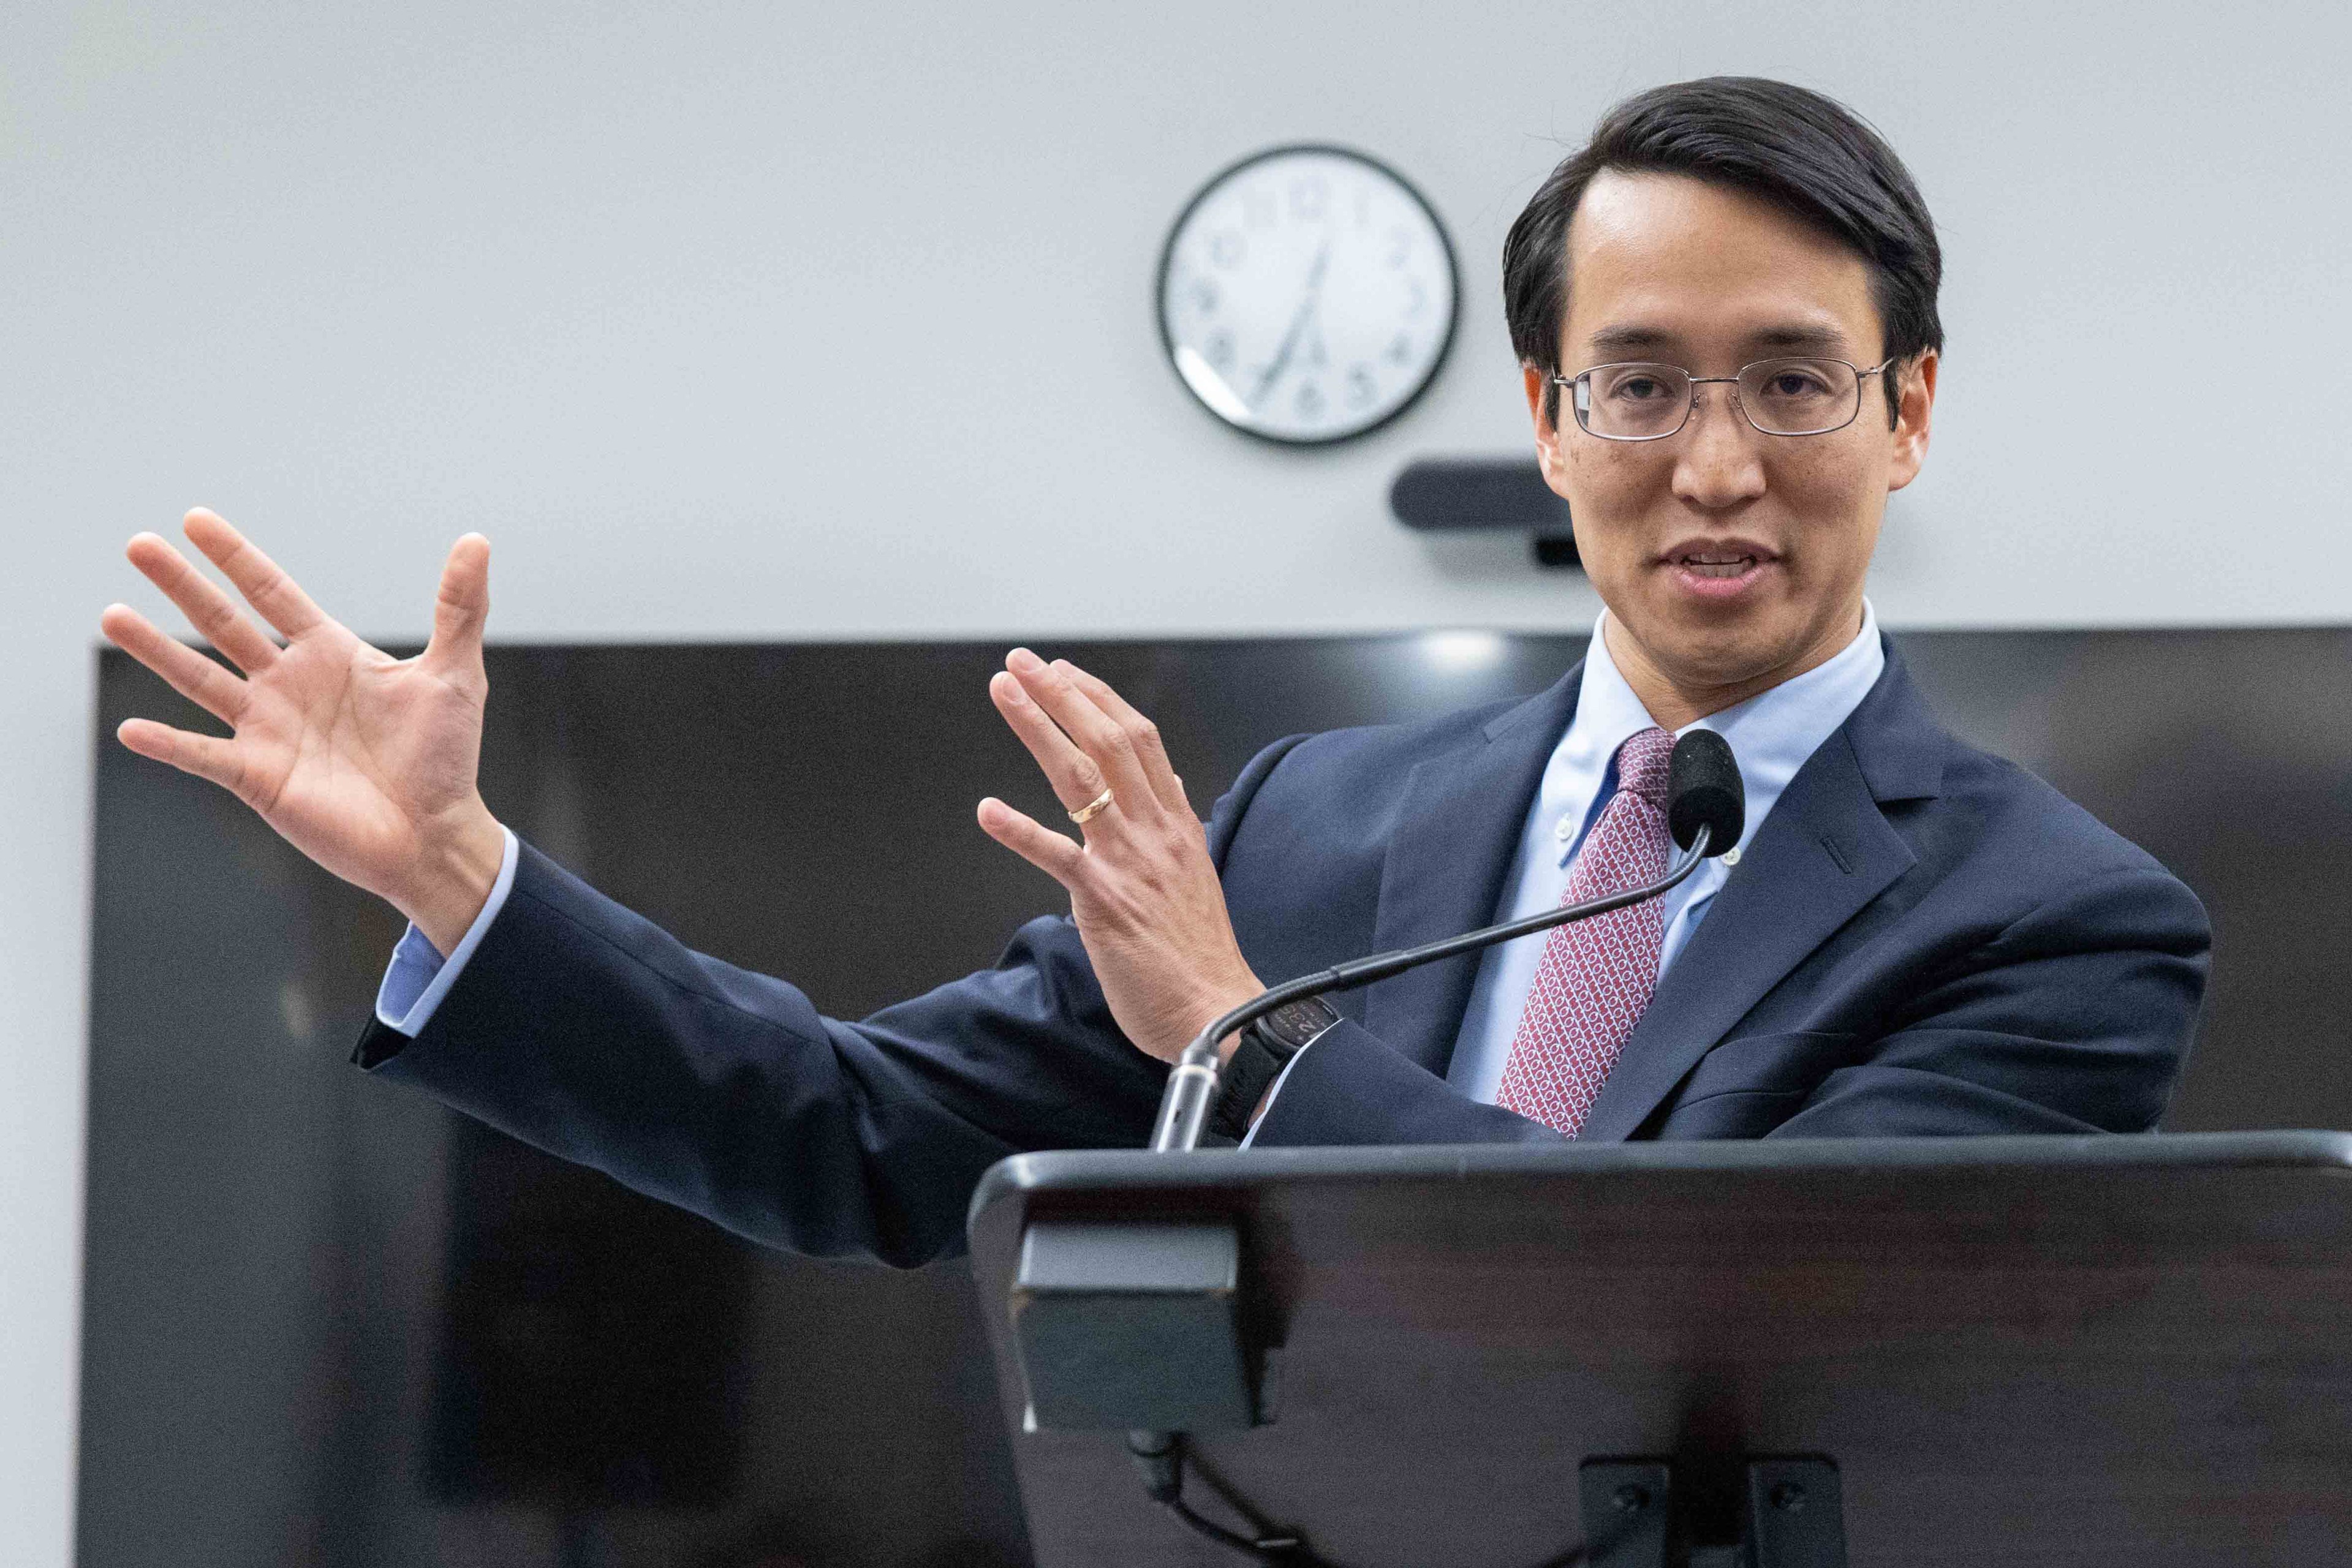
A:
(1730, 558)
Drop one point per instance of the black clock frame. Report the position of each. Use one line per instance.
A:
(1168, 254)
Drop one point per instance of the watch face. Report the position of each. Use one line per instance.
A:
(1306, 295)
(1295, 1023)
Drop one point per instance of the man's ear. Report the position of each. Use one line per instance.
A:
(1547, 455)
(1914, 407)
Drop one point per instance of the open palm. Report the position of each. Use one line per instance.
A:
(363, 762)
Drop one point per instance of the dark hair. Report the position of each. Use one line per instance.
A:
(1807, 155)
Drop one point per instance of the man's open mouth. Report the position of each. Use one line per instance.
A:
(1718, 563)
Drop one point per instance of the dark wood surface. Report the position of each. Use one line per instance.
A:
(2027, 1350)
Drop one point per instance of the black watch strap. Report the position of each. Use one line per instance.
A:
(1264, 1050)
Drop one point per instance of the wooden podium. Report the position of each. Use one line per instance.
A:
(2017, 1351)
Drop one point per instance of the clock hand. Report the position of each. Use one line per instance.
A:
(1298, 324)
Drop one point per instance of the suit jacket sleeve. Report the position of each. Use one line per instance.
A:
(2074, 1018)
(1349, 1088)
(588, 1031)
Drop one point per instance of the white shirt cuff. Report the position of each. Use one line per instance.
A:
(418, 976)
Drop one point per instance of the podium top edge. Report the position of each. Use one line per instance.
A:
(1214, 1170)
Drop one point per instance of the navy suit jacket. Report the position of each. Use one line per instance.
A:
(1921, 938)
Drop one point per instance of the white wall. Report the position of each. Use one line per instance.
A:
(757, 321)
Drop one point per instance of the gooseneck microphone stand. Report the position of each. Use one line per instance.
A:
(1704, 806)
(1193, 1083)
(1192, 1087)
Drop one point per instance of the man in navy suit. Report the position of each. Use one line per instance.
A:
(1725, 307)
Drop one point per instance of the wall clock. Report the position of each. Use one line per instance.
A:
(1306, 295)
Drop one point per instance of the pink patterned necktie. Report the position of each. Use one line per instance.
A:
(1596, 976)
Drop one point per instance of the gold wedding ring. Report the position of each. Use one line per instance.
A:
(1087, 812)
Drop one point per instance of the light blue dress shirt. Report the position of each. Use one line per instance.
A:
(418, 976)
(1772, 735)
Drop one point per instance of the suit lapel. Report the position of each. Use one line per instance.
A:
(1824, 852)
(1457, 839)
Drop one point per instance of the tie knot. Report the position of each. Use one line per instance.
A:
(1641, 765)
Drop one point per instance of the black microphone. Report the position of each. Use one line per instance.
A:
(1706, 809)
(1704, 790)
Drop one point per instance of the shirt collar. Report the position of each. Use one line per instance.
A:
(1771, 734)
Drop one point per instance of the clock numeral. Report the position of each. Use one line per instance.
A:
(1309, 198)
(1205, 296)
(1399, 245)
(1218, 350)
(1418, 296)
(1227, 249)
(1361, 387)
(1309, 400)
(1401, 350)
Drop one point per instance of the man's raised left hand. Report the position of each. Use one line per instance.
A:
(1142, 888)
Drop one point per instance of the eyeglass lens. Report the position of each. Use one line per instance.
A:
(1780, 397)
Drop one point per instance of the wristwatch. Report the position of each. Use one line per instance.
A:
(1265, 1049)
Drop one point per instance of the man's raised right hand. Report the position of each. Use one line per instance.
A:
(363, 762)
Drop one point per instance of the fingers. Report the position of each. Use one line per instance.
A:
(205, 756)
(1049, 851)
(1076, 777)
(462, 607)
(1141, 731)
(266, 587)
(191, 675)
(1105, 743)
(208, 609)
